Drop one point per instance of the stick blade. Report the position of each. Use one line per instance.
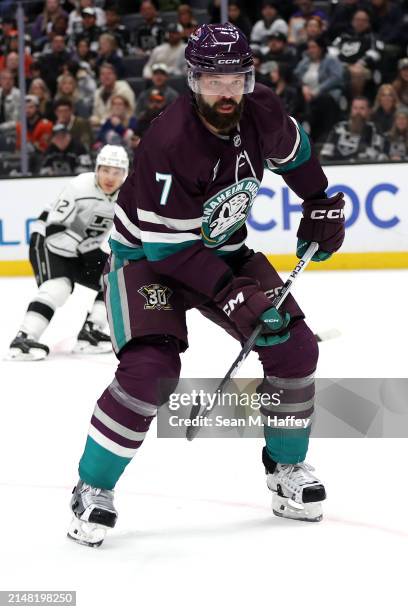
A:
(329, 334)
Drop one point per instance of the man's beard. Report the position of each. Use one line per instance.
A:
(357, 124)
(223, 122)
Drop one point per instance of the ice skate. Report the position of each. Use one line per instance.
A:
(94, 513)
(296, 492)
(24, 348)
(91, 340)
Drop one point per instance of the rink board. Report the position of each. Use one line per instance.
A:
(376, 212)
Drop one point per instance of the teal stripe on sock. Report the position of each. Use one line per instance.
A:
(287, 445)
(99, 467)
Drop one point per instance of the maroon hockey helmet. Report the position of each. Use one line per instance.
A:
(219, 49)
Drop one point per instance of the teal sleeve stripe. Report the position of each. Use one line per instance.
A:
(125, 252)
(302, 156)
(155, 251)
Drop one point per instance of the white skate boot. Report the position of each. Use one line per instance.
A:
(296, 492)
(94, 513)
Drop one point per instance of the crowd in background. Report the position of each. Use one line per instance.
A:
(98, 73)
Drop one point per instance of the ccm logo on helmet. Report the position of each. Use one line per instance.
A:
(229, 61)
(328, 213)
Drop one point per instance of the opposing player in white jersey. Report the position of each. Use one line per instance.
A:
(65, 248)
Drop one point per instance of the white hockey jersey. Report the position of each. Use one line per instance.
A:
(85, 216)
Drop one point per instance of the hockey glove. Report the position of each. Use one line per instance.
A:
(92, 257)
(244, 302)
(323, 222)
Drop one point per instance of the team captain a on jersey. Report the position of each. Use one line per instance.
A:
(65, 249)
(180, 244)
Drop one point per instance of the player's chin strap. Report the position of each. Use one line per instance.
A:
(198, 409)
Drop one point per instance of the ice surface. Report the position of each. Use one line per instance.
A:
(195, 530)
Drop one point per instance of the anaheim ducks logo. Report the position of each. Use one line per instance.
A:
(227, 211)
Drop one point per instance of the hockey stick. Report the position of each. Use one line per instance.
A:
(192, 430)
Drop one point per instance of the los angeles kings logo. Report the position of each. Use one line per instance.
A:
(226, 212)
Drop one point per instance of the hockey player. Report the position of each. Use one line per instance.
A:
(65, 249)
(180, 244)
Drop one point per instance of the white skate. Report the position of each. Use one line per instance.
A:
(296, 492)
(94, 514)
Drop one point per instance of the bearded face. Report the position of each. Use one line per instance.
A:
(223, 114)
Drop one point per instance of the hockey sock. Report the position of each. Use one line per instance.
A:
(123, 413)
(287, 423)
(51, 294)
(97, 316)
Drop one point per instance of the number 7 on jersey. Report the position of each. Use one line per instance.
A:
(167, 178)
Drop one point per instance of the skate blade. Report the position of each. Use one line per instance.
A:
(86, 348)
(87, 534)
(287, 508)
(32, 355)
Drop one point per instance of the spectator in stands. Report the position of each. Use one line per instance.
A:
(314, 29)
(52, 63)
(297, 23)
(277, 78)
(86, 87)
(355, 139)
(155, 104)
(271, 23)
(238, 18)
(277, 50)
(401, 82)
(90, 31)
(65, 155)
(342, 16)
(150, 33)
(9, 101)
(39, 130)
(160, 77)
(10, 61)
(68, 89)
(396, 141)
(83, 54)
(359, 50)
(387, 20)
(107, 52)
(170, 53)
(45, 21)
(116, 29)
(385, 105)
(321, 78)
(186, 20)
(120, 125)
(8, 27)
(75, 20)
(38, 87)
(109, 86)
(79, 127)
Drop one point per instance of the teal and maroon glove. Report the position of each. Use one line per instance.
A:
(323, 222)
(244, 302)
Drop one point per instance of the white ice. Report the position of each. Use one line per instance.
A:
(195, 529)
